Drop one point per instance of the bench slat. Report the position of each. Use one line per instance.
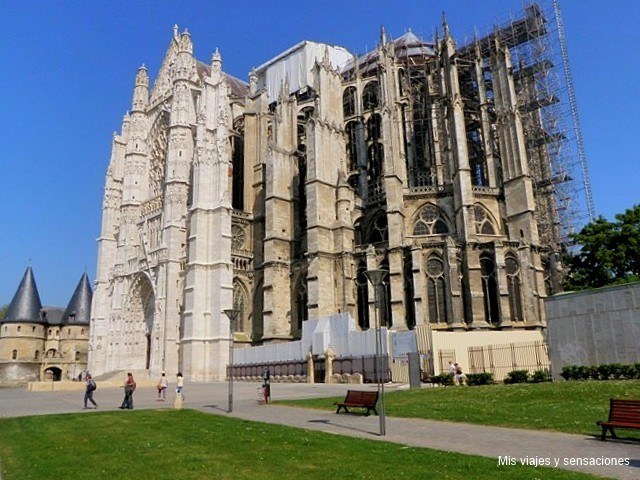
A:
(623, 413)
(360, 399)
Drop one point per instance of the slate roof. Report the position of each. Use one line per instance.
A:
(78, 311)
(26, 305)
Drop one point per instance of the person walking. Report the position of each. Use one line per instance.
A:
(129, 388)
(88, 392)
(459, 375)
(180, 385)
(163, 384)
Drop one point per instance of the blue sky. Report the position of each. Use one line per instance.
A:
(67, 73)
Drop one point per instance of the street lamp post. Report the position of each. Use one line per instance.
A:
(376, 277)
(232, 313)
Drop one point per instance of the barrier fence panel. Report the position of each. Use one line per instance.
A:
(502, 359)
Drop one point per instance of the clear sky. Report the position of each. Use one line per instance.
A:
(66, 79)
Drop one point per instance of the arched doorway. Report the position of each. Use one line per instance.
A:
(142, 341)
(52, 374)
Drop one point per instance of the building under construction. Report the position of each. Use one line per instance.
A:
(445, 164)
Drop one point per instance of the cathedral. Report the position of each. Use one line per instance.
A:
(427, 159)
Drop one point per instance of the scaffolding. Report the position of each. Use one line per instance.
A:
(546, 103)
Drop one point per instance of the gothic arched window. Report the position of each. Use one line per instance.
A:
(301, 296)
(240, 302)
(378, 229)
(370, 95)
(436, 290)
(374, 127)
(430, 221)
(512, 269)
(352, 145)
(349, 102)
(489, 289)
(362, 296)
(482, 219)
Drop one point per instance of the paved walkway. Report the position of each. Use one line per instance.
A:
(456, 437)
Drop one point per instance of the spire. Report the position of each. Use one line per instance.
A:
(184, 42)
(383, 35)
(216, 65)
(445, 25)
(141, 90)
(26, 304)
(78, 310)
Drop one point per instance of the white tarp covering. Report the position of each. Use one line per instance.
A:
(336, 331)
(295, 65)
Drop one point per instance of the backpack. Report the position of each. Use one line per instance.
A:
(92, 386)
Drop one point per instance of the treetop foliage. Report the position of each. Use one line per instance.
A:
(609, 252)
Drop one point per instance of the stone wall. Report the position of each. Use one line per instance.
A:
(594, 327)
(18, 372)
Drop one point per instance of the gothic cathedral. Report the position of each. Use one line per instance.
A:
(274, 198)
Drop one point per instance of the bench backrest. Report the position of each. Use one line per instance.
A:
(623, 410)
(360, 396)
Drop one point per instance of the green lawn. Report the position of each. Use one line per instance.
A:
(185, 444)
(572, 407)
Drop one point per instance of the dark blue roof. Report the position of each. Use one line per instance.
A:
(78, 311)
(26, 304)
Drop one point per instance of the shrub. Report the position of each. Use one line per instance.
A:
(517, 376)
(446, 379)
(479, 378)
(541, 376)
(606, 371)
(568, 372)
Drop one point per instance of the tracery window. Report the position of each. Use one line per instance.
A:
(512, 269)
(158, 155)
(374, 127)
(430, 222)
(489, 289)
(378, 228)
(362, 296)
(352, 145)
(370, 95)
(436, 290)
(240, 304)
(349, 102)
(483, 223)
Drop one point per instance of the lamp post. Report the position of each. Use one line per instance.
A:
(232, 313)
(376, 277)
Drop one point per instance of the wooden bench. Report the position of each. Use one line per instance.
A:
(360, 399)
(622, 414)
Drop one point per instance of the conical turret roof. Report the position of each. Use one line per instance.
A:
(78, 310)
(26, 304)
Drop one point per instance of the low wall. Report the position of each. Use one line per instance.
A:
(594, 327)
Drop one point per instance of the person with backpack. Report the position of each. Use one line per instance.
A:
(88, 392)
(129, 388)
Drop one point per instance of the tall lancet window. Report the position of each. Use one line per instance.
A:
(512, 269)
(363, 296)
(490, 289)
(436, 290)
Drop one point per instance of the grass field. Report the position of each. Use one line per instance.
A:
(185, 444)
(571, 407)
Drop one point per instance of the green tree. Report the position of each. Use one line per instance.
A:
(609, 252)
(3, 310)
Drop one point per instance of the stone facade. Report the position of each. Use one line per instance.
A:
(44, 343)
(274, 197)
